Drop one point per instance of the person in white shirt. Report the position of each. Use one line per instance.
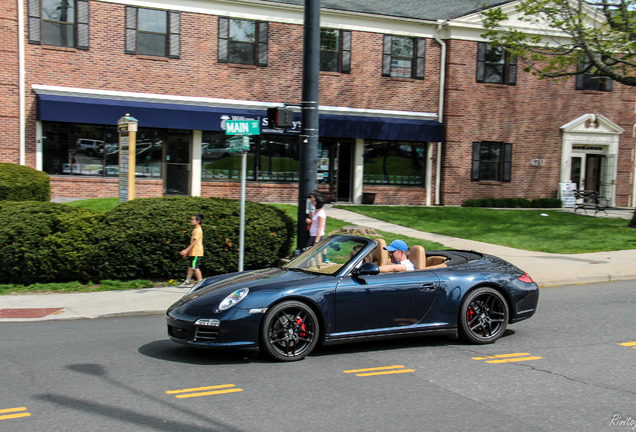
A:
(317, 219)
(399, 262)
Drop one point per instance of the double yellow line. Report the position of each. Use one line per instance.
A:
(5, 414)
(628, 344)
(204, 391)
(384, 370)
(508, 358)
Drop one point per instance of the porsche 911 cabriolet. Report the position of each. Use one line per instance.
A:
(334, 292)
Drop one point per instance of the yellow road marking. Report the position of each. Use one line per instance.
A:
(385, 372)
(510, 360)
(501, 356)
(373, 369)
(628, 344)
(13, 410)
(183, 396)
(199, 391)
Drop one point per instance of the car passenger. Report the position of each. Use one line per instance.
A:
(399, 262)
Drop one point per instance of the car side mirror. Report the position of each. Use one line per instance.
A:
(366, 269)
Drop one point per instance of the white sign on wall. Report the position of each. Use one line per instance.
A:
(566, 194)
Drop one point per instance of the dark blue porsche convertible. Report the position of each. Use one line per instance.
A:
(335, 293)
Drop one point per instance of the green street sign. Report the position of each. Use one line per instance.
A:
(242, 127)
(239, 143)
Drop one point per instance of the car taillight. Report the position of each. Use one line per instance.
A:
(525, 278)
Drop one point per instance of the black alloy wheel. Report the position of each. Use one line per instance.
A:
(290, 331)
(483, 317)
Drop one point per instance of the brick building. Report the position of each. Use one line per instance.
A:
(415, 107)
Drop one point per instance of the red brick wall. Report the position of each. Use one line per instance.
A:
(528, 115)
(9, 108)
(258, 192)
(98, 187)
(105, 66)
(197, 73)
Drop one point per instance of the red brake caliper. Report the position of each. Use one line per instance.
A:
(470, 313)
(299, 321)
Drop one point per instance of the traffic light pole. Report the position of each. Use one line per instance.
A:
(308, 145)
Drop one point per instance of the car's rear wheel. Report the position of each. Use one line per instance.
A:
(290, 331)
(483, 317)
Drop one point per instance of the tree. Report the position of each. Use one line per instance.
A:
(570, 37)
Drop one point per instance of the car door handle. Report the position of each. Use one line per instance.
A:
(428, 287)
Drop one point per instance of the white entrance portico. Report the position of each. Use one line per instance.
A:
(589, 152)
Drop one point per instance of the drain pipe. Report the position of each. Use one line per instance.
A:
(440, 107)
(21, 83)
(633, 197)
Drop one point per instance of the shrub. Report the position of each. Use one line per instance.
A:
(21, 183)
(142, 238)
(139, 239)
(44, 242)
(546, 203)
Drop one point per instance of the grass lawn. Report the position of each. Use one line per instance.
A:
(101, 205)
(68, 287)
(558, 232)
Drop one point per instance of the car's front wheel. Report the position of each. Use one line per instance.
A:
(290, 331)
(483, 317)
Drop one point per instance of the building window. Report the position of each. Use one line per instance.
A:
(59, 23)
(335, 50)
(403, 57)
(270, 158)
(394, 162)
(491, 161)
(93, 150)
(592, 81)
(243, 42)
(495, 65)
(152, 32)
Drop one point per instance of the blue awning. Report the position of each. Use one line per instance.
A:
(380, 128)
(72, 109)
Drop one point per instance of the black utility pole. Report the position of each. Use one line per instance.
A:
(308, 145)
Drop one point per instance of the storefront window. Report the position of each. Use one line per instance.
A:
(81, 149)
(394, 162)
(270, 158)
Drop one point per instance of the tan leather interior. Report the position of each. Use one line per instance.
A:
(435, 260)
(379, 255)
(417, 256)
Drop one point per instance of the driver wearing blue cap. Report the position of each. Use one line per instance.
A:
(399, 262)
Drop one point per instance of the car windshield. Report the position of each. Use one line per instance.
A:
(329, 256)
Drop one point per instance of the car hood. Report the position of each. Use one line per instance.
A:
(274, 279)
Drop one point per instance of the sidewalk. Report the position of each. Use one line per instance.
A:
(546, 269)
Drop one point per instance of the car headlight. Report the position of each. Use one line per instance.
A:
(233, 298)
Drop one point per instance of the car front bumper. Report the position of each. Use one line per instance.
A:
(233, 329)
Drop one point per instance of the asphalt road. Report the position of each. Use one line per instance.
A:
(572, 367)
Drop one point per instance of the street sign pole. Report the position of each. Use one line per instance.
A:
(242, 226)
(242, 130)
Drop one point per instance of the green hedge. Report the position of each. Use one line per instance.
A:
(139, 239)
(514, 203)
(44, 242)
(142, 238)
(21, 183)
